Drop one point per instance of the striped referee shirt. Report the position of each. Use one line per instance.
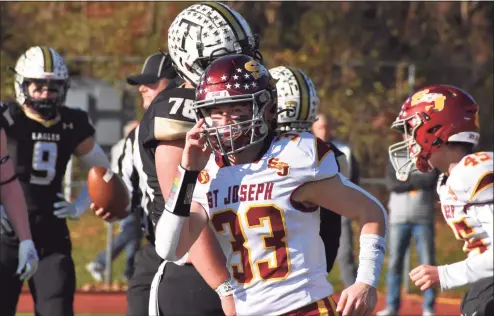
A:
(130, 169)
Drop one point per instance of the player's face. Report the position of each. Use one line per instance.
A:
(230, 124)
(45, 89)
(321, 130)
(150, 91)
(230, 114)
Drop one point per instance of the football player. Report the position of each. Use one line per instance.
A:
(157, 74)
(260, 193)
(42, 135)
(440, 127)
(197, 36)
(14, 208)
(297, 105)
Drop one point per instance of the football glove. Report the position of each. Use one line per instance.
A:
(65, 209)
(28, 260)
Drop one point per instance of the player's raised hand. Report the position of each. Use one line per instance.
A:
(358, 299)
(196, 153)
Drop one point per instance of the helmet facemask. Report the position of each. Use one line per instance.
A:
(46, 108)
(408, 154)
(245, 131)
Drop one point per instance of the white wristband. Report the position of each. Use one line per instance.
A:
(371, 256)
(225, 289)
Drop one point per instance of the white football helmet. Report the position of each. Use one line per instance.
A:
(43, 65)
(206, 31)
(298, 100)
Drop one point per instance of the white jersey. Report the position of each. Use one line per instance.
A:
(274, 252)
(467, 204)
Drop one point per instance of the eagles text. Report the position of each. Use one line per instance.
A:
(46, 136)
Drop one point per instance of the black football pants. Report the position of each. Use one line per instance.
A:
(182, 290)
(479, 299)
(53, 284)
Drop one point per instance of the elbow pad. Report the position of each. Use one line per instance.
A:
(95, 157)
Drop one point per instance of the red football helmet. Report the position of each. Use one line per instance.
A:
(431, 117)
(233, 80)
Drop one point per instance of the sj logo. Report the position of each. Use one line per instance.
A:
(203, 177)
(254, 68)
(281, 167)
(426, 97)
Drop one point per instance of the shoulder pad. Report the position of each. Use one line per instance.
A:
(471, 180)
(313, 147)
(320, 160)
(171, 115)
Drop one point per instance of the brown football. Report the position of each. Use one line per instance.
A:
(106, 189)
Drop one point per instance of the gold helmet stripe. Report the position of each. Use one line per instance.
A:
(230, 17)
(303, 94)
(48, 58)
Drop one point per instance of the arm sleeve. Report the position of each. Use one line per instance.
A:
(466, 272)
(475, 267)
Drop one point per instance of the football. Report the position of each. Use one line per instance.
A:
(107, 190)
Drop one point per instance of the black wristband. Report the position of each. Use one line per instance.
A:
(180, 196)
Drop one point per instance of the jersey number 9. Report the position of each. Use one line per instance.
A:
(44, 162)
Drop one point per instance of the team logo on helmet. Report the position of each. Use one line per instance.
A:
(425, 97)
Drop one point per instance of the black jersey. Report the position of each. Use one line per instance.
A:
(40, 154)
(169, 117)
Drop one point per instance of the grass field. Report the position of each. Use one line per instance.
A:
(89, 237)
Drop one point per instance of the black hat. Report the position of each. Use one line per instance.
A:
(156, 67)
